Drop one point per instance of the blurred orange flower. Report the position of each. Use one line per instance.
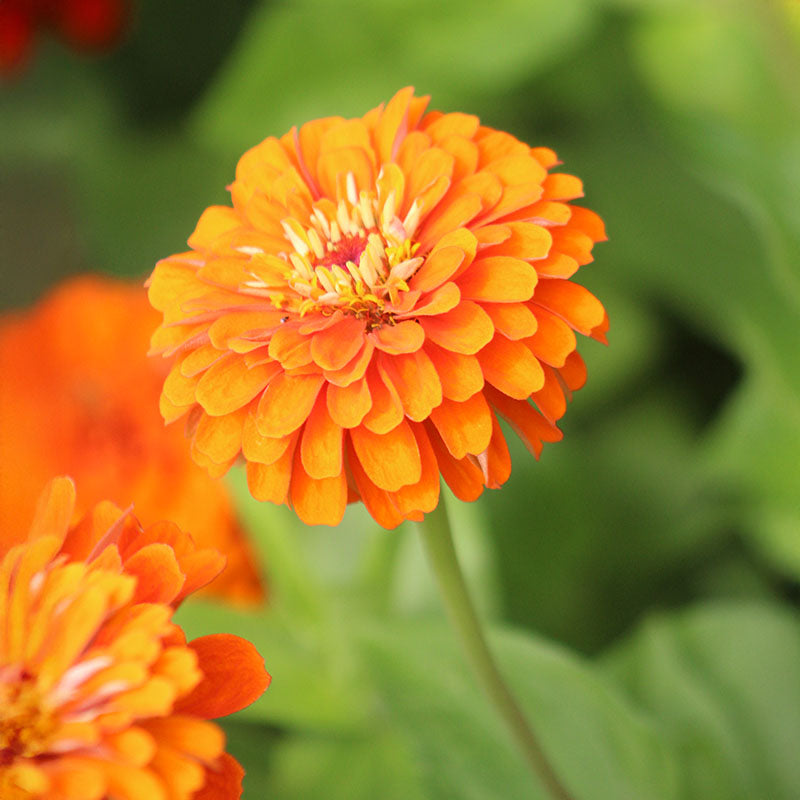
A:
(382, 289)
(100, 694)
(79, 396)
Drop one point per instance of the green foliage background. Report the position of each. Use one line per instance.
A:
(641, 580)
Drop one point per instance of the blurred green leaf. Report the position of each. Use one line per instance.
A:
(599, 744)
(724, 681)
(308, 59)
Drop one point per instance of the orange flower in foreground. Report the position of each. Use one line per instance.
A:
(100, 694)
(79, 396)
(381, 291)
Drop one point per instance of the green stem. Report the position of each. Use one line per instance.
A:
(442, 556)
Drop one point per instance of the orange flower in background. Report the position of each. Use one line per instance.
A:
(100, 694)
(381, 291)
(79, 396)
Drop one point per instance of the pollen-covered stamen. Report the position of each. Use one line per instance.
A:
(355, 256)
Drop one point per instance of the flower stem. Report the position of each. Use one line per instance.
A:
(438, 541)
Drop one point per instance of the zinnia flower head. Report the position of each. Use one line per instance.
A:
(382, 290)
(100, 694)
(79, 397)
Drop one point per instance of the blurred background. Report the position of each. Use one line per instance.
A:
(659, 542)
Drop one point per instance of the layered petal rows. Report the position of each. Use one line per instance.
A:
(100, 694)
(381, 292)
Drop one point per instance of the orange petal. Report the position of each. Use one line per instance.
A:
(223, 781)
(497, 460)
(262, 449)
(463, 476)
(511, 367)
(465, 329)
(158, 576)
(335, 346)
(464, 427)
(439, 301)
(347, 405)
(415, 379)
(290, 347)
(574, 371)
(404, 337)
(573, 243)
(460, 375)
(220, 438)
(553, 341)
(286, 404)
(378, 502)
(558, 186)
(334, 165)
(588, 222)
(444, 221)
(270, 482)
(437, 268)
(513, 320)
(550, 398)
(198, 738)
(391, 460)
(570, 301)
(356, 367)
(387, 410)
(526, 241)
(526, 421)
(233, 677)
(229, 384)
(317, 501)
(498, 279)
(54, 509)
(422, 496)
(321, 443)
(392, 125)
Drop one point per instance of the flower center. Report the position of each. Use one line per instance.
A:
(26, 727)
(354, 256)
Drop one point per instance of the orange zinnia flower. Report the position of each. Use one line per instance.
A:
(78, 396)
(382, 289)
(100, 694)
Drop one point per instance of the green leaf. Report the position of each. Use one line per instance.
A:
(724, 681)
(599, 744)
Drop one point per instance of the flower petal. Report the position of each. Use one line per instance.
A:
(460, 375)
(317, 501)
(417, 384)
(498, 279)
(219, 656)
(347, 405)
(466, 329)
(286, 404)
(228, 385)
(464, 427)
(387, 410)
(392, 459)
(404, 337)
(335, 346)
(321, 443)
(511, 367)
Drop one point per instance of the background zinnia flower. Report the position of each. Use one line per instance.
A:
(100, 694)
(78, 396)
(382, 291)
